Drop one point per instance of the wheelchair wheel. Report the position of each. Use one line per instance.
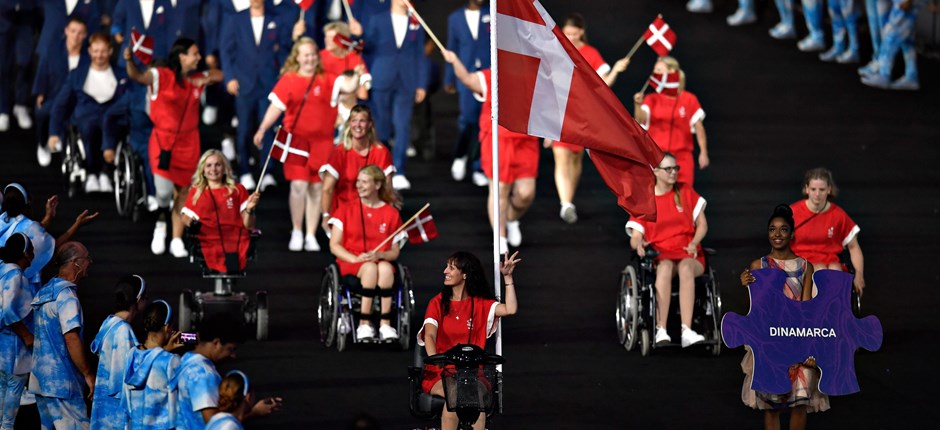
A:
(406, 307)
(342, 339)
(715, 297)
(261, 316)
(644, 342)
(626, 314)
(187, 301)
(125, 178)
(328, 308)
(73, 160)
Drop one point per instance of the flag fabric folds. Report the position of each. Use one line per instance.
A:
(305, 4)
(665, 83)
(348, 44)
(142, 47)
(660, 37)
(422, 229)
(547, 89)
(288, 150)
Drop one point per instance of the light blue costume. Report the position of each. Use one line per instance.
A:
(56, 382)
(223, 421)
(148, 399)
(816, 40)
(699, 6)
(844, 17)
(744, 15)
(877, 13)
(16, 304)
(897, 34)
(197, 385)
(112, 345)
(43, 243)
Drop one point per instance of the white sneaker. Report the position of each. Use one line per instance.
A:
(92, 185)
(741, 17)
(400, 182)
(411, 152)
(699, 6)
(178, 249)
(247, 181)
(267, 181)
(782, 31)
(152, 204)
(296, 241)
(105, 183)
(387, 332)
(234, 122)
(513, 234)
(480, 180)
(568, 213)
(209, 115)
(22, 117)
(43, 155)
(661, 336)
(690, 337)
(458, 169)
(311, 244)
(228, 148)
(4, 122)
(365, 332)
(158, 244)
(809, 44)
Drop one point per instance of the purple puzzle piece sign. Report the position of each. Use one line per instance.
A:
(782, 332)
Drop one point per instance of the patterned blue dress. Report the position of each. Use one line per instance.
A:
(15, 362)
(197, 385)
(114, 342)
(148, 399)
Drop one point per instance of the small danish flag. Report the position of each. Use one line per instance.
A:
(348, 44)
(287, 150)
(665, 83)
(421, 229)
(142, 47)
(660, 37)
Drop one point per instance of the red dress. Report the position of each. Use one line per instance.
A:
(344, 165)
(675, 225)
(669, 121)
(312, 124)
(518, 152)
(378, 222)
(821, 238)
(471, 320)
(174, 107)
(596, 61)
(215, 208)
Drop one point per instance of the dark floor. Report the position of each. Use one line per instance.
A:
(773, 112)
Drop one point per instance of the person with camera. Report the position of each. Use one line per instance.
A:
(148, 400)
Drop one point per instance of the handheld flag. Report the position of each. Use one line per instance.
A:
(348, 44)
(287, 150)
(660, 37)
(665, 83)
(142, 47)
(421, 229)
(304, 4)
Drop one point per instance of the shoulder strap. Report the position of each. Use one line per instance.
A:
(303, 102)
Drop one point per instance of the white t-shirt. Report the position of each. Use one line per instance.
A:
(146, 11)
(257, 26)
(73, 61)
(473, 21)
(336, 10)
(400, 27)
(100, 84)
(240, 5)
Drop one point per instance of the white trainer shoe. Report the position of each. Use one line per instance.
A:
(296, 241)
(267, 181)
(661, 336)
(311, 244)
(690, 337)
(22, 117)
(387, 332)
(480, 179)
(178, 249)
(4, 122)
(513, 233)
(247, 181)
(209, 115)
(458, 169)
(104, 182)
(152, 204)
(43, 156)
(400, 182)
(228, 148)
(158, 244)
(365, 332)
(568, 213)
(91, 184)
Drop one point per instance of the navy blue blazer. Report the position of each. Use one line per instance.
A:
(74, 105)
(364, 10)
(185, 21)
(55, 18)
(254, 66)
(471, 52)
(9, 7)
(128, 15)
(53, 70)
(389, 64)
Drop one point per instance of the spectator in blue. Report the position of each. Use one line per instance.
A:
(363, 11)
(468, 35)
(395, 44)
(112, 345)
(16, 335)
(88, 93)
(51, 74)
(235, 400)
(61, 371)
(253, 47)
(16, 219)
(150, 18)
(148, 400)
(897, 34)
(56, 13)
(17, 18)
(844, 17)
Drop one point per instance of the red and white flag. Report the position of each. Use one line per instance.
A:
(660, 37)
(347, 43)
(665, 83)
(142, 47)
(422, 228)
(287, 150)
(547, 89)
(304, 4)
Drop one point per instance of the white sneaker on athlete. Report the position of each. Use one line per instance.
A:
(480, 180)
(22, 117)
(247, 181)
(209, 115)
(104, 182)
(661, 336)
(178, 249)
(43, 156)
(311, 244)
(158, 244)
(228, 148)
(91, 184)
(296, 241)
(152, 204)
(690, 337)
(513, 233)
(568, 213)
(4, 122)
(400, 182)
(387, 332)
(267, 181)
(458, 169)
(365, 332)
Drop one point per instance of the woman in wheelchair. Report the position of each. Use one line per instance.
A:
(825, 229)
(677, 235)
(358, 228)
(225, 213)
(465, 311)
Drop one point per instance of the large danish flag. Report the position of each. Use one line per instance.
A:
(660, 37)
(547, 89)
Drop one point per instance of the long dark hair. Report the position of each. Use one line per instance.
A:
(475, 284)
(180, 47)
(15, 200)
(126, 292)
(16, 248)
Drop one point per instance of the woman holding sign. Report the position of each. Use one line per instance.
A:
(358, 240)
(305, 95)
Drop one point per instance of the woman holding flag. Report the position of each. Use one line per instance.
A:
(305, 94)
(358, 240)
(175, 91)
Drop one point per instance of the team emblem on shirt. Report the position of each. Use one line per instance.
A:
(316, 91)
(681, 111)
(680, 209)
(830, 232)
(230, 203)
(383, 227)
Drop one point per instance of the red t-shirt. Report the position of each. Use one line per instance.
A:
(594, 58)
(675, 224)
(823, 237)
(669, 121)
(473, 319)
(174, 110)
(378, 222)
(312, 124)
(344, 165)
(336, 65)
(486, 123)
(217, 209)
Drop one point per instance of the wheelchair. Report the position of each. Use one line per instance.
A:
(338, 309)
(474, 385)
(73, 162)
(195, 306)
(636, 305)
(130, 186)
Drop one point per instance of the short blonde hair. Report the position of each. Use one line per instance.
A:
(338, 26)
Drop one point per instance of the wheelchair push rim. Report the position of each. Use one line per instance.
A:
(328, 306)
(627, 315)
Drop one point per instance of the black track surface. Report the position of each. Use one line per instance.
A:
(773, 112)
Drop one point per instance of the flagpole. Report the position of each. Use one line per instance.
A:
(349, 14)
(268, 161)
(494, 180)
(635, 47)
(425, 26)
(402, 227)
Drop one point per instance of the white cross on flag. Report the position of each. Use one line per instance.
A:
(665, 83)
(287, 150)
(547, 89)
(660, 37)
(347, 43)
(422, 229)
(142, 47)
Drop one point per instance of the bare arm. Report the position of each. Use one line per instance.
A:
(460, 71)
(747, 278)
(270, 117)
(703, 160)
(20, 329)
(510, 306)
(807, 293)
(73, 343)
(248, 215)
(619, 67)
(858, 262)
(326, 199)
(637, 243)
(701, 228)
(390, 255)
(141, 77)
(207, 413)
(337, 248)
(82, 219)
(638, 113)
(430, 339)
